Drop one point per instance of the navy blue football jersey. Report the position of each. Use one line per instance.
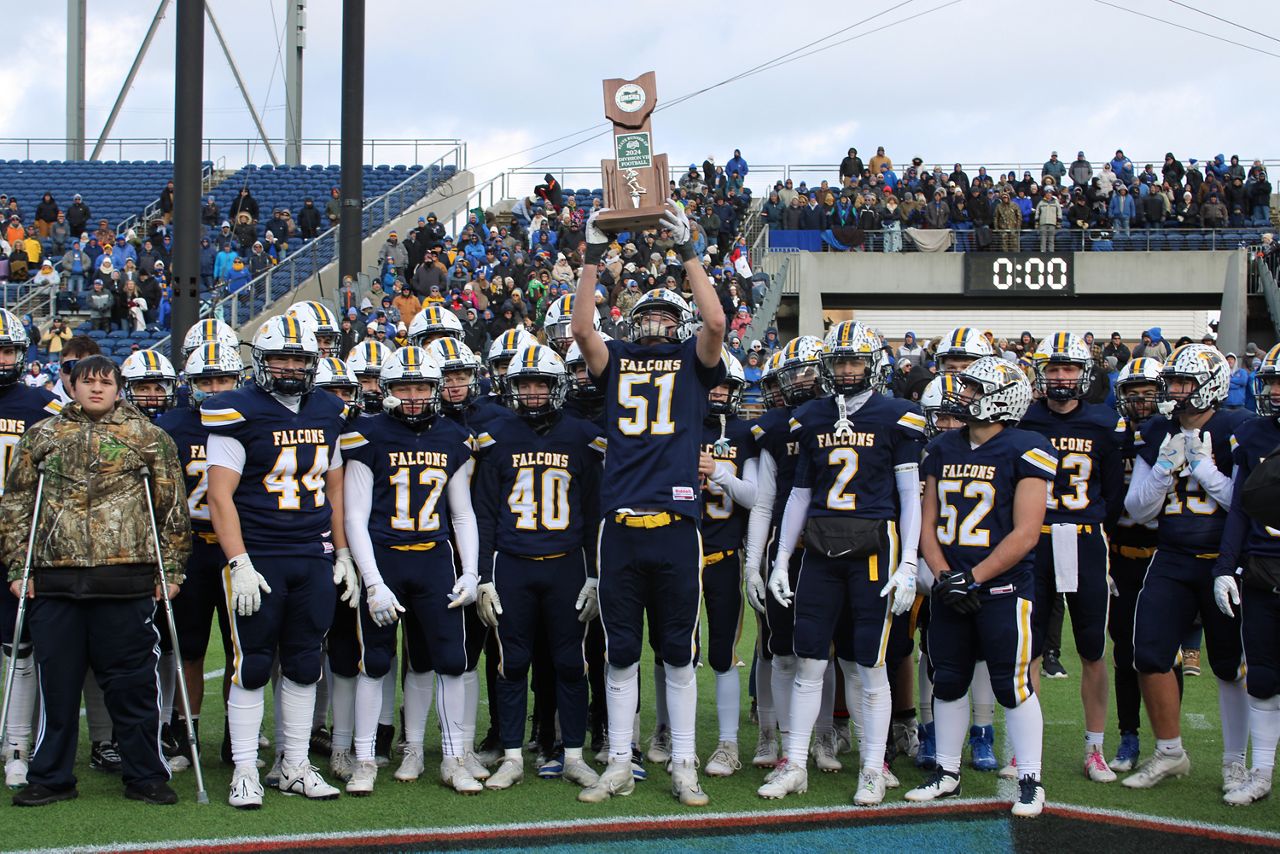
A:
(1090, 483)
(1254, 439)
(654, 402)
(1191, 521)
(976, 489)
(537, 495)
(593, 412)
(772, 432)
(855, 474)
(281, 495)
(724, 523)
(184, 425)
(411, 469)
(1128, 532)
(21, 408)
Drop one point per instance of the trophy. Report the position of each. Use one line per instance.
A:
(635, 183)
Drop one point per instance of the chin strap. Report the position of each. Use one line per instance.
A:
(844, 427)
(722, 444)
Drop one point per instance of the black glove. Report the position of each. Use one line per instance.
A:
(958, 591)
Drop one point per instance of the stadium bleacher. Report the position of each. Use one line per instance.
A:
(113, 190)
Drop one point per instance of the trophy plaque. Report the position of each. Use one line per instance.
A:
(635, 181)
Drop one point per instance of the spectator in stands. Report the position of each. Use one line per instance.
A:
(1107, 181)
(1123, 167)
(733, 343)
(18, 269)
(1259, 197)
(1121, 210)
(393, 252)
(75, 264)
(751, 374)
(960, 179)
(277, 225)
(1241, 379)
(1008, 219)
(208, 257)
(1048, 218)
(210, 214)
(259, 261)
(1236, 200)
(406, 304)
(911, 351)
(1081, 171)
(245, 203)
(147, 255)
(1187, 214)
(850, 168)
(14, 233)
(46, 213)
(1235, 169)
(166, 203)
(1116, 349)
(100, 304)
(938, 213)
(245, 231)
(308, 220)
(1153, 345)
(57, 335)
(811, 214)
(881, 159)
(741, 320)
(1213, 214)
(78, 215)
(737, 164)
(691, 183)
(239, 276)
(59, 233)
(888, 216)
(46, 276)
(772, 210)
(1053, 168)
(1172, 171)
(333, 207)
(1079, 214)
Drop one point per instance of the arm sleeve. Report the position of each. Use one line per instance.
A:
(226, 452)
(907, 479)
(793, 519)
(463, 518)
(357, 495)
(1217, 484)
(762, 511)
(742, 490)
(1147, 490)
(335, 457)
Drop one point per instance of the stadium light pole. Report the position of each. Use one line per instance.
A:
(352, 190)
(188, 128)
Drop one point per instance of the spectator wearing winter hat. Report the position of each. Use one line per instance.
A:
(911, 349)
(406, 303)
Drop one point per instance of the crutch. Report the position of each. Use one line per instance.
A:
(12, 669)
(202, 797)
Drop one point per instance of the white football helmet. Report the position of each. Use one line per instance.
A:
(1265, 377)
(960, 347)
(211, 359)
(1206, 367)
(322, 322)
(365, 361)
(434, 321)
(661, 315)
(582, 387)
(209, 330)
(931, 400)
(736, 379)
(502, 349)
(770, 393)
(336, 375)
(1135, 406)
(851, 339)
(989, 390)
(799, 373)
(285, 335)
(557, 323)
(1064, 348)
(410, 365)
(149, 366)
(536, 362)
(13, 334)
(453, 356)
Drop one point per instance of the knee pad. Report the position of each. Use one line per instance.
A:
(514, 672)
(785, 663)
(623, 674)
(949, 686)
(1145, 660)
(1265, 704)
(680, 677)
(304, 668)
(809, 669)
(874, 678)
(1006, 696)
(1263, 686)
(254, 670)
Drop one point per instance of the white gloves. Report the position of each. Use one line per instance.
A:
(247, 586)
(588, 604)
(344, 574)
(1112, 587)
(780, 583)
(1173, 453)
(464, 592)
(1226, 593)
(675, 219)
(902, 584)
(384, 607)
(756, 590)
(488, 605)
(1199, 449)
(594, 235)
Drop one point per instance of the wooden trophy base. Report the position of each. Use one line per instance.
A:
(621, 216)
(630, 219)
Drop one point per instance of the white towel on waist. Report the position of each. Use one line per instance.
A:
(1066, 563)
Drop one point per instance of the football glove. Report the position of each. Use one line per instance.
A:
(756, 590)
(464, 591)
(344, 574)
(597, 240)
(780, 584)
(1199, 449)
(588, 604)
(675, 219)
(384, 607)
(902, 584)
(247, 586)
(1112, 587)
(958, 591)
(1225, 593)
(488, 605)
(1173, 453)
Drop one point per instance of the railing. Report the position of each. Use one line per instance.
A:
(1028, 240)
(152, 210)
(780, 275)
(1262, 280)
(242, 151)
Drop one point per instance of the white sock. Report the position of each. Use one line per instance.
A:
(244, 717)
(877, 714)
(682, 710)
(950, 726)
(168, 668)
(1026, 731)
(853, 697)
(22, 703)
(387, 715)
(418, 691)
(572, 753)
(783, 679)
(729, 704)
(764, 694)
(924, 686)
(1169, 746)
(622, 688)
(1264, 725)
(824, 725)
(1092, 740)
(368, 705)
(471, 687)
(320, 718)
(1233, 709)
(806, 698)
(451, 702)
(982, 695)
(297, 705)
(342, 696)
(661, 717)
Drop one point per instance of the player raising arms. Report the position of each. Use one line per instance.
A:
(856, 499)
(649, 547)
(984, 501)
(408, 479)
(275, 486)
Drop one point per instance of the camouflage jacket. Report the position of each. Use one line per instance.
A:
(94, 512)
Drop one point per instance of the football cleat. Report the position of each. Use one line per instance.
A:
(617, 779)
(1127, 753)
(724, 761)
(475, 767)
(1030, 802)
(1051, 667)
(1254, 788)
(940, 784)
(246, 791)
(824, 753)
(982, 751)
(927, 755)
(173, 746)
(489, 753)
(412, 766)
(659, 751)
(766, 750)
(1010, 771)
(1191, 662)
(15, 768)
(363, 776)
(274, 773)
(890, 779)
(870, 788)
(305, 780)
(844, 740)
(906, 737)
(1096, 769)
(1234, 775)
(685, 786)
(786, 779)
(577, 771)
(382, 741)
(552, 766)
(341, 764)
(637, 765)
(454, 773)
(105, 756)
(510, 773)
(1158, 768)
(321, 741)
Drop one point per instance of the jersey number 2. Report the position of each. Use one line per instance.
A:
(427, 519)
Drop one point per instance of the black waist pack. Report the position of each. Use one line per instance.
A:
(843, 536)
(1262, 573)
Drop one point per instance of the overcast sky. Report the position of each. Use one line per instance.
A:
(994, 81)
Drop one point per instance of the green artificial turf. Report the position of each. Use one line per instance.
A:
(102, 816)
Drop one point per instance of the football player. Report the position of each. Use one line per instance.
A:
(365, 361)
(1088, 495)
(322, 322)
(1182, 478)
(275, 485)
(649, 548)
(984, 502)
(796, 376)
(537, 488)
(335, 375)
(557, 325)
(408, 478)
(585, 398)
(210, 369)
(501, 350)
(150, 382)
(856, 499)
(432, 323)
(209, 331)
(1132, 546)
(21, 407)
(960, 348)
(1247, 577)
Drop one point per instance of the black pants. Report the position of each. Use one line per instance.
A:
(119, 640)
